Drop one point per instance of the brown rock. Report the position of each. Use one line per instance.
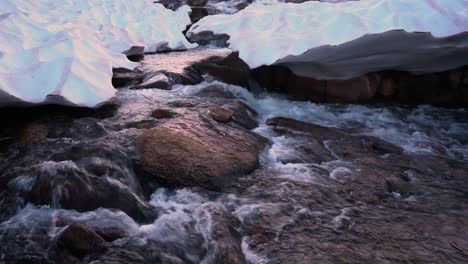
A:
(81, 240)
(220, 114)
(198, 153)
(163, 114)
(32, 133)
(387, 88)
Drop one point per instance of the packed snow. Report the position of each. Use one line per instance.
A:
(64, 51)
(326, 40)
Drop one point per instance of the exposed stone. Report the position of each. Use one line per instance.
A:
(181, 103)
(220, 114)
(155, 80)
(198, 13)
(123, 77)
(197, 2)
(163, 114)
(80, 240)
(198, 152)
(215, 91)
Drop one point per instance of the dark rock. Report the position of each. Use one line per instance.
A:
(163, 114)
(80, 240)
(244, 115)
(155, 80)
(123, 77)
(135, 53)
(198, 152)
(198, 13)
(208, 38)
(32, 133)
(231, 69)
(197, 2)
(215, 91)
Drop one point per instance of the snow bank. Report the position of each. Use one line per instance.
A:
(345, 40)
(64, 51)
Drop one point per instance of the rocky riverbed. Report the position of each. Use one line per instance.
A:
(181, 168)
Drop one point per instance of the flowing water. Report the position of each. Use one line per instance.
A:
(296, 205)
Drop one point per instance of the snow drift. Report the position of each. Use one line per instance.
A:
(64, 51)
(348, 39)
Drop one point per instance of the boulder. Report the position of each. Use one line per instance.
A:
(155, 80)
(198, 152)
(163, 114)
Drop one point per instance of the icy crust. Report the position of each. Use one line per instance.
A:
(344, 40)
(64, 51)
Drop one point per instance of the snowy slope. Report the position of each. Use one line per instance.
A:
(64, 51)
(349, 38)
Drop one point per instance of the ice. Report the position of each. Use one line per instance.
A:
(344, 40)
(64, 51)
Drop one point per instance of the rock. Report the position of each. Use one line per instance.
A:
(318, 132)
(231, 69)
(208, 38)
(243, 115)
(163, 114)
(197, 2)
(220, 114)
(198, 152)
(32, 133)
(224, 242)
(215, 91)
(144, 124)
(198, 13)
(181, 103)
(80, 240)
(387, 88)
(124, 77)
(155, 80)
(135, 53)
(351, 91)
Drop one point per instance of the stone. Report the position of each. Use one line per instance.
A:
(156, 80)
(80, 240)
(198, 152)
(124, 77)
(197, 2)
(163, 114)
(220, 114)
(32, 133)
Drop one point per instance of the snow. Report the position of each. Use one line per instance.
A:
(345, 40)
(64, 51)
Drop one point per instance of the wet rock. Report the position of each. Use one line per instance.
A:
(163, 114)
(32, 133)
(156, 80)
(231, 69)
(197, 2)
(215, 91)
(224, 242)
(181, 104)
(220, 114)
(244, 115)
(315, 131)
(208, 38)
(198, 13)
(124, 77)
(135, 53)
(80, 240)
(143, 124)
(445, 88)
(198, 152)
